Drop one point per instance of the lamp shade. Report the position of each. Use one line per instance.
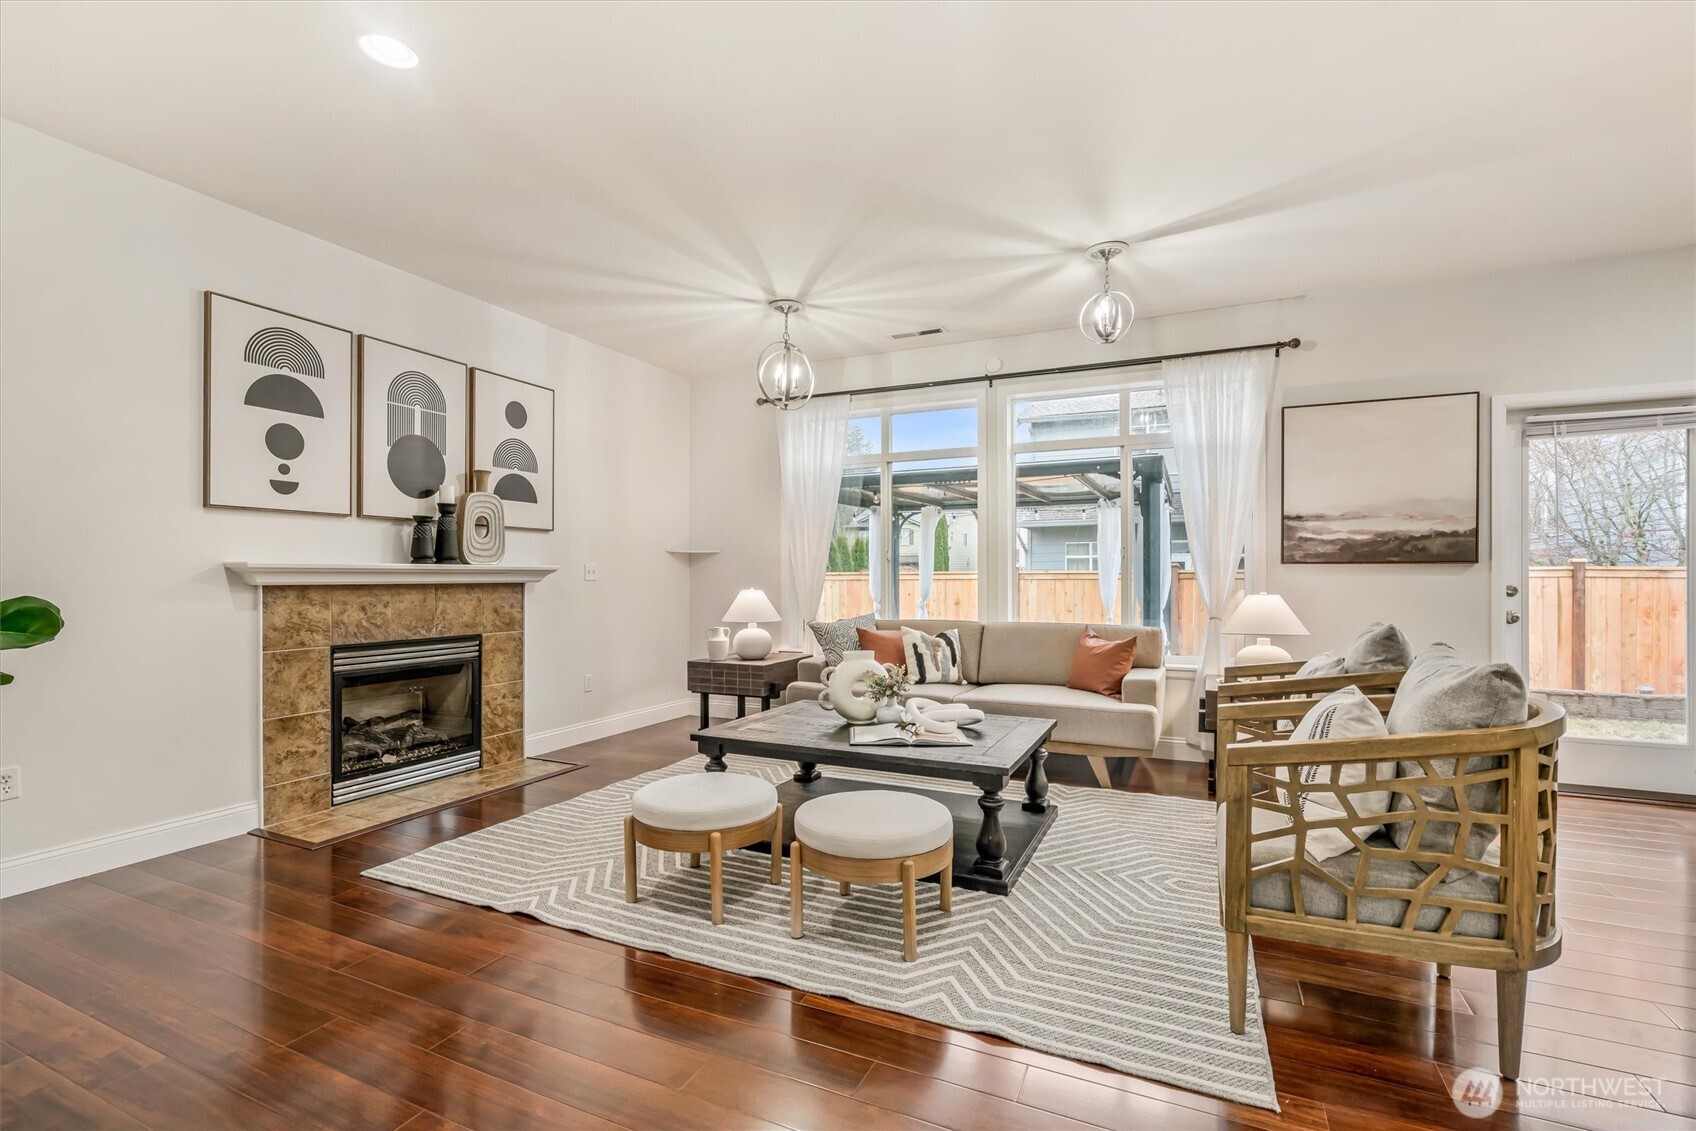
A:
(1263, 614)
(751, 607)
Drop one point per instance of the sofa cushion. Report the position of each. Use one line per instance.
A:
(1083, 716)
(838, 636)
(971, 640)
(1326, 900)
(1041, 652)
(931, 659)
(1442, 692)
(1100, 665)
(1379, 647)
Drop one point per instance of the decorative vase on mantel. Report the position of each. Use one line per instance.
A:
(423, 539)
(482, 523)
(447, 533)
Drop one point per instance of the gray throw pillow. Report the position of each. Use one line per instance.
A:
(1379, 648)
(1441, 691)
(1326, 663)
(838, 636)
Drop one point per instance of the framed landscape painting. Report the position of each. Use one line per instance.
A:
(413, 419)
(1381, 482)
(512, 434)
(279, 410)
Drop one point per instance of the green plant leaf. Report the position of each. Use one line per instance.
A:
(28, 621)
(5, 678)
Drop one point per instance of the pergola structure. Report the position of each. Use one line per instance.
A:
(1070, 480)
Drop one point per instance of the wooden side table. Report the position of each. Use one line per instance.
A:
(733, 676)
(1207, 722)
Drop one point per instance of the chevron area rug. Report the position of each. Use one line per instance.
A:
(1109, 950)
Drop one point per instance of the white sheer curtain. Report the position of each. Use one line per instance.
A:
(927, 555)
(875, 571)
(810, 442)
(1218, 407)
(1108, 543)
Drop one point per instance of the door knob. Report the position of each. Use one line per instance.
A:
(1513, 591)
(1513, 617)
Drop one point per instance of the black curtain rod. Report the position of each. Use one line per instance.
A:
(991, 379)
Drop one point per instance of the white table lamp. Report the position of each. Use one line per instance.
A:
(750, 607)
(1263, 615)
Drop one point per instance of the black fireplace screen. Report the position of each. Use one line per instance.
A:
(405, 713)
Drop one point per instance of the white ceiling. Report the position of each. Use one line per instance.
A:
(647, 175)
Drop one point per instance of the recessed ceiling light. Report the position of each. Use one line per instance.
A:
(389, 52)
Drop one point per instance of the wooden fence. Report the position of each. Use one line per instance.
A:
(1053, 595)
(1612, 629)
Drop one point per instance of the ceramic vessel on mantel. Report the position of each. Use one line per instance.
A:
(846, 690)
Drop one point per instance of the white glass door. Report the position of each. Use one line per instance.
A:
(1599, 615)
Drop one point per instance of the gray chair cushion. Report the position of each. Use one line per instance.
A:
(1272, 892)
(838, 636)
(1442, 692)
(1379, 648)
(1082, 716)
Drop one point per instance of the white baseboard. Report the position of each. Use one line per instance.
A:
(1179, 750)
(546, 741)
(84, 858)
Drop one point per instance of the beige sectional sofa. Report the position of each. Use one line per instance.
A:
(1020, 668)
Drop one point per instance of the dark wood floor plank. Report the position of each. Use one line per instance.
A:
(422, 1079)
(751, 1089)
(617, 1096)
(61, 1038)
(262, 1011)
(959, 1108)
(38, 1098)
(280, 1078)
(566, 1029)
(168, 1097)
(694, 1028)
(53, 970)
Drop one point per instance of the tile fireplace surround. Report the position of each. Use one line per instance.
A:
(302, 622)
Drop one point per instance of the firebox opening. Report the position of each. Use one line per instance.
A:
(404, 713)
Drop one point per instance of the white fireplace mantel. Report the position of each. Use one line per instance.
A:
(368, 573)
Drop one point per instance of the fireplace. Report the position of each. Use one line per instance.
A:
(403, 713)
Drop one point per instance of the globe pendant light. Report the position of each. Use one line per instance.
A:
(1106, 316)
(785, 374)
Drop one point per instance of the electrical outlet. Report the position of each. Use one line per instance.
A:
(11, 783)
(591, 572)
(588, 683)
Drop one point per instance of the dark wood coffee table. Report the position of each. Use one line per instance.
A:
(991, 849)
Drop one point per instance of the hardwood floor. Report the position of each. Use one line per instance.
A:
(255, 985)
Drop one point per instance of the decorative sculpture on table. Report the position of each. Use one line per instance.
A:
(847, 689)
(938, 718)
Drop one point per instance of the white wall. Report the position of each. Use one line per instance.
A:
(1629, 320)
(146, 710)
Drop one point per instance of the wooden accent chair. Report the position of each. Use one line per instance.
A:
(1495, 914)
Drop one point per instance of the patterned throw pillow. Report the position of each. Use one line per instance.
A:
(838, 636)
(932, 659)
(1342, 714)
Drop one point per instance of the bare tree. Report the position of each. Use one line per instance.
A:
(1613, 499)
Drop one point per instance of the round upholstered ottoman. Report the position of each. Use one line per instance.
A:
(696, 813)
(879, 836)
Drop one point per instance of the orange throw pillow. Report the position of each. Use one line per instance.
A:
(885, 647)
(1098, 665)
